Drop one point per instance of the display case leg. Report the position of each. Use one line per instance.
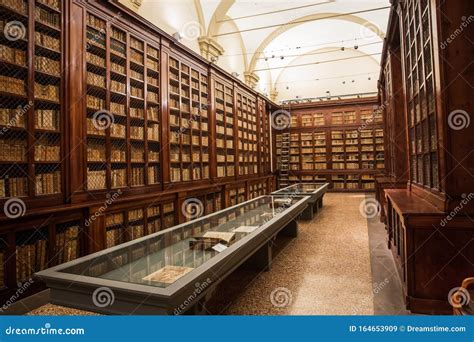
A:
(307, 214)
(291, 229)
(262, 259)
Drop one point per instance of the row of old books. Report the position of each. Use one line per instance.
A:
(96, 179)
(56, 4)
(47, 17)
(95, 79)
(17, 5)
(12, 55)
(47, 65)
(95, 59)
(67, 244)
(30, 258)
(48, 183)
(47, 41)
(12, 85)
(13, 117)
(17, 187)
(96, 152)
(114, 237)
(13, 150)
(118, 177)
(48, 92)
(138, 175)
(46, 119)
(153, 175)
(46, 152)
(95, 102)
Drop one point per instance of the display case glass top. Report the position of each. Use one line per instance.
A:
(169, 261)
(303, 189)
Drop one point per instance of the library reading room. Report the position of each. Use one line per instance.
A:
(236, 157)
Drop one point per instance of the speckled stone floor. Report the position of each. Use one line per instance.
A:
(326, 270)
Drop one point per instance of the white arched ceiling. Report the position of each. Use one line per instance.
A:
(246, 29)
(310, 80)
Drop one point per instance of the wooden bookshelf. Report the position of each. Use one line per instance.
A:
(247, 134)
(225, 129)
(66, 165)
(337, 142)
(135, 222)
(31, 121)
(189, 123)
(122, 108)
(427, 172)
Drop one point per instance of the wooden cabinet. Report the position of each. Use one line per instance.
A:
(108, 128)
(429, 222)
(340, 142)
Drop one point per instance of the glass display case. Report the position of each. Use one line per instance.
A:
(171, 271)
(315, 191)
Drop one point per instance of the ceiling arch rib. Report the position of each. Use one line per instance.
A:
(329, 49)
(304, 20)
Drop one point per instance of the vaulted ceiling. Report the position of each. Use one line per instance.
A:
(285, 49)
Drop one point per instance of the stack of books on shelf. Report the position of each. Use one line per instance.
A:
(95, 80)
(12, 55)
(17, 187)
(45, 40)
(17, 5)
(48, 183)
(137, 177)
(119, 178)
(67, 244)
(30, 258)
(48, 92)
(47, 17)
(95, 179)
(12, 117)
(47, 119)
(12, 85)
(47, 65)
(13, 150)
(44, 151)
(95, 102)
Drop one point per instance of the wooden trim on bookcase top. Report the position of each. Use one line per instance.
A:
(121, 200)
(111, 8)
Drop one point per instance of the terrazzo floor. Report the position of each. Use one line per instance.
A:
(326, 270)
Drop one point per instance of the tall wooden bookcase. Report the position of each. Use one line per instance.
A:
(108, 128)
(340, 142)
(429, 222)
